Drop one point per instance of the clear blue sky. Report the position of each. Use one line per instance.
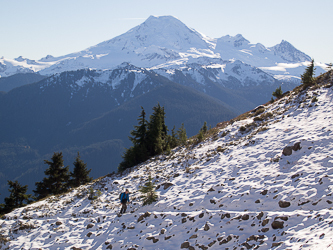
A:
(36, 28)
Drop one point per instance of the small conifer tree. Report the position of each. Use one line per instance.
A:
(149, 190)
(17, 196)
(204, 128)
(182, 136)
(307, 77)
(80, 174)
(278, 93)
(200, 136)
(57, 180)
(173, 141)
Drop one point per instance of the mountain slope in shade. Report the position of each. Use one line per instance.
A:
(17, 80)
(236, 189)
(182, 105)
(91, 112)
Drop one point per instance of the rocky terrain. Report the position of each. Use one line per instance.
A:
(263, 180)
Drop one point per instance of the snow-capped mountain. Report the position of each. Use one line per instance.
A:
(165, 40)
(263, 181)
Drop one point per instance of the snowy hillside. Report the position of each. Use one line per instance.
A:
(165, 40)
(235, 190)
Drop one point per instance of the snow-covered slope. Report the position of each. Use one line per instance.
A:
(165, 40)
(234, 190)
(10, 67)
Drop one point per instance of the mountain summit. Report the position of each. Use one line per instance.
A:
(165, 41)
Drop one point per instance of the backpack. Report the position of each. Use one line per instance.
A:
(120, 196)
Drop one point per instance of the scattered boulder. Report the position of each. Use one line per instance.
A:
(265, 222)
(89, 234)
(255, 237)
(264, 192)
(167, 237)
(184, 220)
(109, 247)
(245, 217)
(284, 204)
(247, 245)
(297, 146)
(284, 218)
(225, 215)
(90, 225)
(224, 241)
(185, 244)
(194, 236)
(277, 224)
(260, 215)
(142, 216)
(294, 176)
(276, 244)
(206, 228)
(155, 240)
(257, 201)
(288, 150)
(212, 243)
(211, 189)
(265, 229)
(131, 227)
(163, 230)
(58, 223)
(166, 185)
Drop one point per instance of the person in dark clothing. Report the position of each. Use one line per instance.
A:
(124, 198)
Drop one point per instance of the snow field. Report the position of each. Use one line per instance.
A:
(234, 190)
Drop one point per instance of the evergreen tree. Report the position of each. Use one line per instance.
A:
(204, 128)
(200, 136)
(173, 141)
(181, 133)
(148, 138)
(128, 159)
(139, 135)
(307, 77)
(138, 152)
(157, 132)
(80, 174)
(57, 180)
(17, 196)
(278, 93)
(149, 190)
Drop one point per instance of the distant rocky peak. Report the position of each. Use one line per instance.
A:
(20, 59)
(236, 41)
(289, 53)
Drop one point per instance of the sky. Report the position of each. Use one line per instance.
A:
(36, 28)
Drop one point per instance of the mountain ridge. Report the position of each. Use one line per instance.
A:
(165, 39)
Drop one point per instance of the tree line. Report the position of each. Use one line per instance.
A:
(58, 180)
(150, 138)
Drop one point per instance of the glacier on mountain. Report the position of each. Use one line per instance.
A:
(162, 41)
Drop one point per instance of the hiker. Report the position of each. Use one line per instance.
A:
(124, 198)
